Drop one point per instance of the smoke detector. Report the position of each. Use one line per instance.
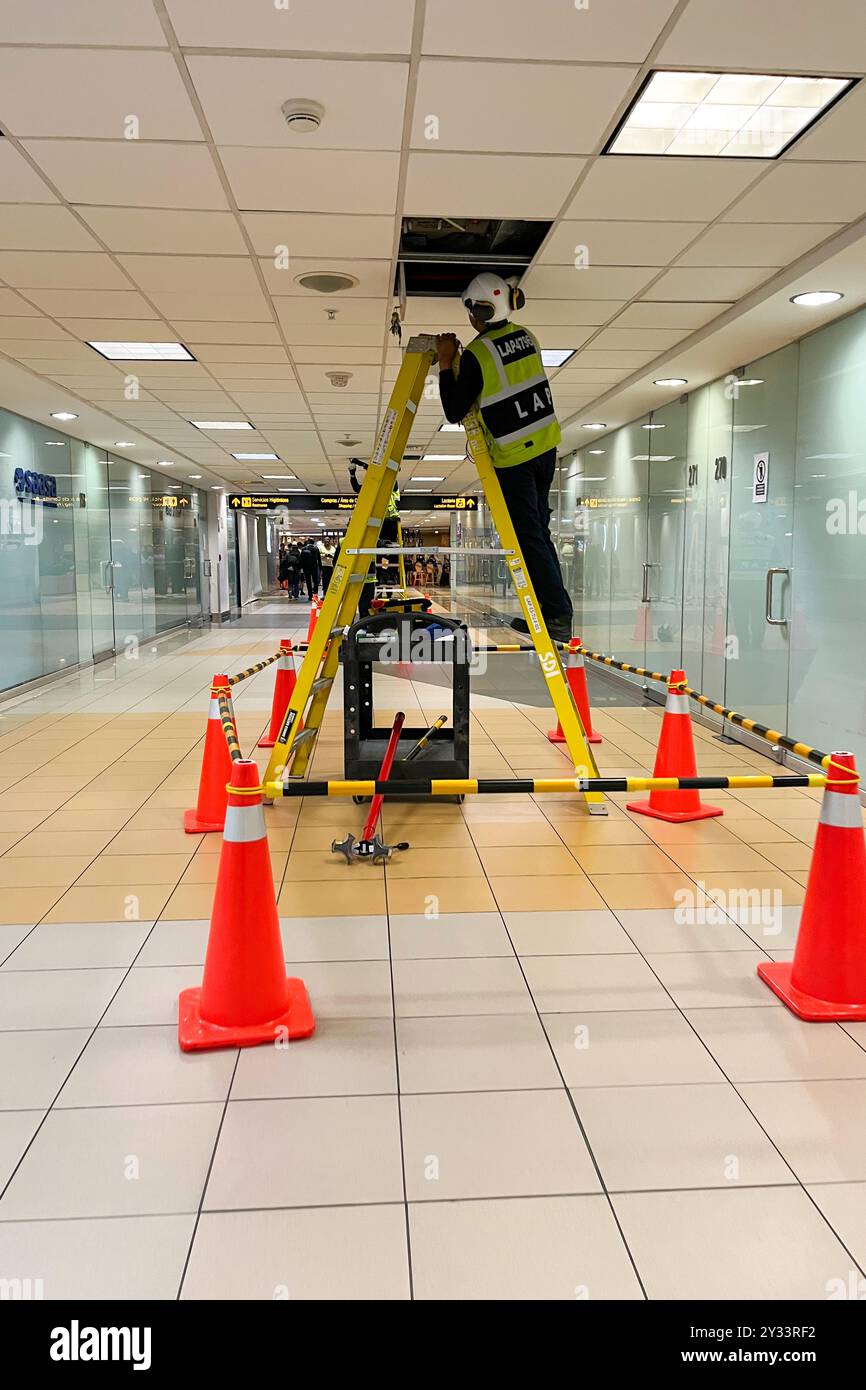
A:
(339, 378)
(326, 281)
(302, 115)
(347, 442)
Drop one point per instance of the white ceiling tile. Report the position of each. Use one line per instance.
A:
(42, 227)
(97, 22)
(53, 348)
(723, 283)
(130, 172)
(363, 378)
(737, 244)
(312, 180)
(159, 229)
(199, 332)
(841, 134)
(659, 315)
(93, 93)
(19, 182)
(60, 270)
(311, 312)
(768, 36)
(524, 186)
(658, 189)
(657, 338)
(114, 330)
(616, 243)
(205, 305)
(573, 312)
(596, 282)
(192, 274)
(559, 111)
(218, 356)
(350, 357)
(618, 359)
(242, 98)
(315, 234)
(22, 327)
(794, 192)
(373, 277)
(318, 26)
(616, 31)
(101, 303)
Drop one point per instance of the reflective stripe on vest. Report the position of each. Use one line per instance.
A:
(516, 403)
(394, 503)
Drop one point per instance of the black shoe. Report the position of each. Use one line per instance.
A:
(559, 628)
(519, 625)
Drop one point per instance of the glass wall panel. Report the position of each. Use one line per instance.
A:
(828, 611)
(666, 433)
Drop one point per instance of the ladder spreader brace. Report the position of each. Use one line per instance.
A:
(290, 755)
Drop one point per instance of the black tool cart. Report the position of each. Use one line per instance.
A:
(441, 644)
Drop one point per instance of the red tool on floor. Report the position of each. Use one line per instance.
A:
(675, 757)
(826, 980)
(370, 846)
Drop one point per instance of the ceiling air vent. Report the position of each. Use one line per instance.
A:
(326, 281)
(302, 115)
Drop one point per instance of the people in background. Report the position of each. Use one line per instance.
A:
(310, 568)
(445, 576)
(327, 551)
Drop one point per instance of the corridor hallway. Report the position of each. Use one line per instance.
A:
(529, 1078)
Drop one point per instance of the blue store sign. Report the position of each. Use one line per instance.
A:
(33, 485)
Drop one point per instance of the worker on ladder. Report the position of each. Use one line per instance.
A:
(502, 373)
(389, 534)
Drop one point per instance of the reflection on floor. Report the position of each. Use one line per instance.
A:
(536, 1075)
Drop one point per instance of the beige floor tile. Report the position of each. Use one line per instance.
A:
(62, 843)
(629, 1048)
(704, 859)
(203, 868)
(134, 902)
(750, 881)
(545, 861)
(116, 869)
(189, 901)
(415, 896)
(152, 842)
(26, 904)
(793, 857)
(421, 834)
(642, 890)
(697, 832)
(597, 833)
(592, 984)
(618, 859)
(754, 832)
(528, 893)
(423, 863)
(41, 873)
(355, 898)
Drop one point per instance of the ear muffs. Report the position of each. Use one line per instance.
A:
(482, 312)
(517, 297)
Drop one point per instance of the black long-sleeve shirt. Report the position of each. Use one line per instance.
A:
(459, 393)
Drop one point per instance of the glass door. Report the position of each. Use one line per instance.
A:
(761, 540)
(99, 547)
(667, 444)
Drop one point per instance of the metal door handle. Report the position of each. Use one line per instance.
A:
(774, 622)
(647, 566)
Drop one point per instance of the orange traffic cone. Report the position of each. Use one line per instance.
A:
(245, 996)
(216, 765)
(675, 757)
(285, 684)
(826, 980)
(314, 617)
(575, 674)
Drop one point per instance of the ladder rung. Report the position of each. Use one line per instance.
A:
(337, 631)
(321, 683)
(303, 737)
(375, 521)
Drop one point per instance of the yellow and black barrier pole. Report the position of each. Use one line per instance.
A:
(502, 786)
(227, 719)
(254, 670)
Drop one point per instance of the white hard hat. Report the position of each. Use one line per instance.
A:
(490, 299)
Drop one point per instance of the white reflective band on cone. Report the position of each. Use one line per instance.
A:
(285, 662)
(841, 810)
(213, 709)
(677, 704)
(575, 660)
(244, 824)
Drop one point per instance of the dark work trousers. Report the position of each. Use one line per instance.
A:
(526, 488)
(388, 533)
(309, 572)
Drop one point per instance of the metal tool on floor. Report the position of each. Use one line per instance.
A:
(418, 748)
(303, 718)
(370, 846)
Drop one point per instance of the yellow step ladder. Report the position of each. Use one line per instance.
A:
(291, 752)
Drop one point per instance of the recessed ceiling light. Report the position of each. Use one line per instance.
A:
(194, 477)
(594, 425)
(278, 475)
(556, 357)
(750, 381)
(221, 424)
(249, 458)
(652, 427)
(63, 415)
(123, 444)
(55, 443)
(653, 458)
(813, 299)
(143, 352)
(731, 114)
(442, 458)
(326, 282)
(430, 479)
(165, 463)
(596, 451)
(671, 381)
(448, 428)
(215, 487)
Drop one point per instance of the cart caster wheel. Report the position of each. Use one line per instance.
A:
(359, 800)
(460, 799)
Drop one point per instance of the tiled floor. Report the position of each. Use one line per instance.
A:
(544, 1066)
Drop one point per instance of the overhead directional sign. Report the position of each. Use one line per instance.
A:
(312, 502)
